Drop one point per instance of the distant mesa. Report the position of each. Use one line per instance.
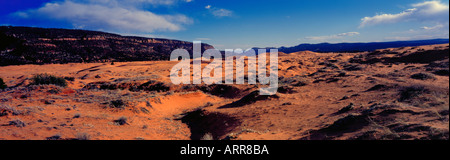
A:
(358, 47)
(27, 45)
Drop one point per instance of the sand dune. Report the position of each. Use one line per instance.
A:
(386, 94)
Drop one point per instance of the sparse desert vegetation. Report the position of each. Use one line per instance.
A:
(382, 95)
(17, 123)
(83, 136)
(47, 79)
(121, 121)
(423, 76)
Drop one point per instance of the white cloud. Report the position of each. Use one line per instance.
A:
(429, 11)
(433, 32)
(333, 37)
(219, 12)
(439, 26)
(132, 3)
(116, 16)
(222, 13)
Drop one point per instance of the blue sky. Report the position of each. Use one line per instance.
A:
(229, 24)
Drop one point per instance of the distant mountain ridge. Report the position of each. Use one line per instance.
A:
(359, 47)
(28, 45)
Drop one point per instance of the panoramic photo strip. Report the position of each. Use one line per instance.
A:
(244, 72)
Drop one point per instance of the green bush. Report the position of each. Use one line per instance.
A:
(47, 79)
(2, 84)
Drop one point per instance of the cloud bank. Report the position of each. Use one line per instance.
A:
(429, 11)
(110, 15)
(219, 12)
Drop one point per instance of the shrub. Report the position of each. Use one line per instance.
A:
(121, 121)
(422, 76)
(47, 79)
(2, 84)
(296, 81)
(18, 123)
(6, 109)
(154, 86)
(77, 115)
(55, 137)
(411, 92)
(346, 109)
(119, 104)
(83, 136)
